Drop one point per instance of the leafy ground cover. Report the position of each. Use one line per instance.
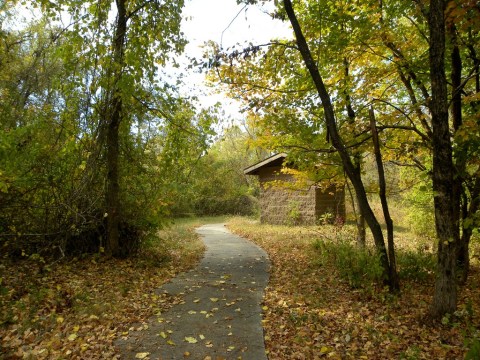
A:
(315, 308)
(76, 308)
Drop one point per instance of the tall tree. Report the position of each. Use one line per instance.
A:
(339, 145)
(387, 48)
(90, 129)
(446, 214)
(150, 28)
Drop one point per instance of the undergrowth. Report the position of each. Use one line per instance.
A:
(76, 307)
(326, 299)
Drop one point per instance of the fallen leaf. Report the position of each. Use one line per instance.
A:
(142, 355)
(191, 339)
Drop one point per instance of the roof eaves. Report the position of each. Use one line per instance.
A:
(253, 169)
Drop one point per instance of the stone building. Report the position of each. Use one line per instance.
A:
(284, 205)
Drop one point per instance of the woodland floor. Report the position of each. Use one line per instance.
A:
(76, 309)
(312, 313)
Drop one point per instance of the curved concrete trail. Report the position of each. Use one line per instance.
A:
(219, 314)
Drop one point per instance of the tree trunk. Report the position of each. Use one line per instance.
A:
(383, 199)
(357, 160)
(359, 219)
(445, 294)
(114, 118)
(337, 142)
(361, 233)
(463, 255)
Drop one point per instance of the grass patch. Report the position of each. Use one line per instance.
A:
(76, 308)
(324, 298)
(361, 268)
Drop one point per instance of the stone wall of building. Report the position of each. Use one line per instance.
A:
(280, 205)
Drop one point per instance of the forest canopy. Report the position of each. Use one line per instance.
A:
(98, 149)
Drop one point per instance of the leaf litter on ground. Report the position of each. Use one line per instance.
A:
(77, 307)
(309, 312)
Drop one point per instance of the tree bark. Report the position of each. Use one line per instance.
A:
(446, 223)
(114, 118)
(461, 201)
(337, 142)
(463, 255)
(383, 199)
(357, 162)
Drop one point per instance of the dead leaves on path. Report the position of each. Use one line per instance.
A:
(309, 313)
(77, 308)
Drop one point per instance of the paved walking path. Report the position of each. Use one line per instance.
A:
(219, 314)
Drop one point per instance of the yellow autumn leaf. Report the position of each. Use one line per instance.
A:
(142, 355)
(170, 342)
(213, 299)
(191, 339)
(163, 335)
(72, 337)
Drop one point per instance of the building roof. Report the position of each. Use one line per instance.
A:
(274, 160)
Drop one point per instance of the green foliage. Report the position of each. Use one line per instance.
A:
(294, 214)
(473, 346)
(326, 218)
(216, 184)
(418, 201)
(55, 88)
(416, 266)
(358, 266)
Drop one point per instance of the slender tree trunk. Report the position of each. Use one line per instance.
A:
(361, 233)
(445, 294)
(337, 142)
(359, 219)
(463, 255)
(113, 189)
(357, 161)
(115, 115)
(461, 201)
(383, 199)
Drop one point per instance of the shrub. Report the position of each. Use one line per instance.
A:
(417, 266)
(359, 267)
(294, 215)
